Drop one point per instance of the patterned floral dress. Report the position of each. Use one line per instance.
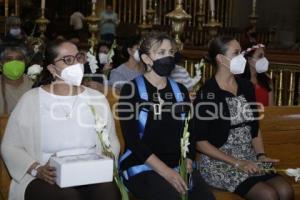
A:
(239, 145)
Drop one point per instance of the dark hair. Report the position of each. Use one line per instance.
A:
(154, 40)
(218, 45)
(12, 48)
(51, 53)
(130, 43)
(262, 78)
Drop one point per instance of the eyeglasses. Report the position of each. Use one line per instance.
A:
(69, 60)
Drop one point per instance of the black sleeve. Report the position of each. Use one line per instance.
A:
(129, 122)
(203, 113)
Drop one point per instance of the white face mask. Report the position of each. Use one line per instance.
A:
(103, 57)
(72, 75)
(136, 56)
(15, 31)
(262, 65)
(237, 64)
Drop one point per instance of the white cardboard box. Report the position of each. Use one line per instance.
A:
(82, 170)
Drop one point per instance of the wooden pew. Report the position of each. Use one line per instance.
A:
(281, 133)
(280, 128)
(4, 176)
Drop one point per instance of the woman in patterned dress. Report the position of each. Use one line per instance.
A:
(226, 128)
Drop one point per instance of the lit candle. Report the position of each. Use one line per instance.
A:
(94, 1)
(43, 4)
(254, 6)
(201, 2)
(212, 5)
(144, 7)
(253, 3)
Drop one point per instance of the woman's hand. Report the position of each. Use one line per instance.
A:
(107, 67)
(267, 159)
(175, 180)
(46, 173)
(248, 166)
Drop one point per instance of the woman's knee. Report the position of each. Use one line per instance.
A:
(262, 191)
(285, 192)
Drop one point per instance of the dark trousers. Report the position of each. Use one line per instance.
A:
(40, 190)
(152, 186)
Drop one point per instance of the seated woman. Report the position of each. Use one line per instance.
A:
(152, 132)
(131, 68)
(14, 83)
(60, 119)
(226, 128)
(255, 71)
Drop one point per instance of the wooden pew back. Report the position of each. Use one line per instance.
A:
(4, 176)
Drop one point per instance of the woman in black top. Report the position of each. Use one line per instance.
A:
(153, 150)
(226, 129)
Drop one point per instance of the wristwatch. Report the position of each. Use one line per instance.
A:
(34, 170)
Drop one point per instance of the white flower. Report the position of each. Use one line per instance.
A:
(99, 125)
(105, 138)
(111, 52)
(184, 146)
(34, 71)
(294, 173)
(36, 48)
(110, 55)
(92, 61)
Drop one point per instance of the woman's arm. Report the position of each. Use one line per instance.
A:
(206, 148)
(257, 143)
(258, 146)
(167, 173)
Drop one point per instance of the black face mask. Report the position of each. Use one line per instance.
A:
(164, 66)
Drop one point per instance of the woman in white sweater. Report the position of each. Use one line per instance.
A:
(51, 118)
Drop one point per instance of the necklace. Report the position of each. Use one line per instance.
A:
(158, 106)
(68, 114)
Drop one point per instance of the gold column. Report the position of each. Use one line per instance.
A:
(150, 13)
(200, 15)
(192, 69)
(253, 17)
(280, 88)
(271, 74)
(204, 73)
(186, 64)
(125, 11)
(6, 7)
(291, 89)
(17, 7)
(135, 13)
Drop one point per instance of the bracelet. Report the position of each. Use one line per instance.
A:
(259, 155)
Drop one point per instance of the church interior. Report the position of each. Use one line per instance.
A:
(193, 24)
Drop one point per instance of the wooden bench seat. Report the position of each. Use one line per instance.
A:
(281, 133)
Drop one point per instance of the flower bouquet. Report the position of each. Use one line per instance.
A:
(101, 130)
(184, 147)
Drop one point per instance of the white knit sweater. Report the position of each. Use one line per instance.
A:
(21, 144)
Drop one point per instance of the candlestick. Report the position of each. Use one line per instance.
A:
(144, 7)
(43, 4)
(94, 1)
(212, 5)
